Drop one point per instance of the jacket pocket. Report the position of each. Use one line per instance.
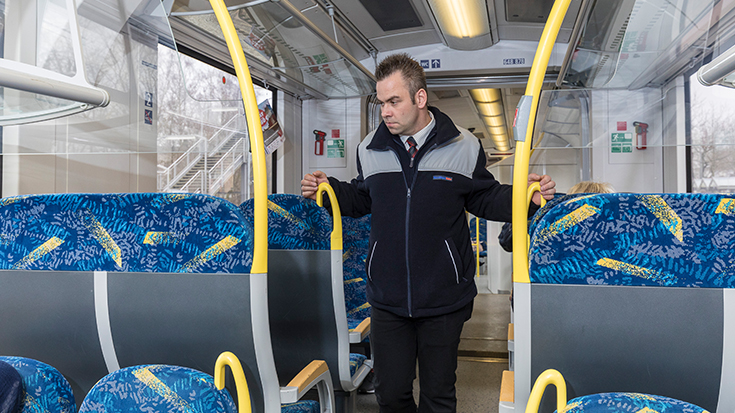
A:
(454, 257)
(369, 261)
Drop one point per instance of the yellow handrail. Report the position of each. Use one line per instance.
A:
(336, 214)
(257, 148)
(522, 151)
(241, 383)
(549, 376)
(535, 187)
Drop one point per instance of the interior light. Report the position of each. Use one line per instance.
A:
(464, 23)
(489, 103)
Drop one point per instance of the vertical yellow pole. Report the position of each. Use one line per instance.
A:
(523, 148)
(260, 250)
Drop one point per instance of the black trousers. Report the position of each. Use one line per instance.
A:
(398, 342)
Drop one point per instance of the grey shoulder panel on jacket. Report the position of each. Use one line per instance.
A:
(376, 162)
(458, 156)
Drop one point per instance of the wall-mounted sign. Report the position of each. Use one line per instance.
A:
(621, 143)
(335, 148)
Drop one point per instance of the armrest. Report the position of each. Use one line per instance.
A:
(359, 333)
(315, 374)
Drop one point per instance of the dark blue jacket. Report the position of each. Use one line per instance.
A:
(420, 260)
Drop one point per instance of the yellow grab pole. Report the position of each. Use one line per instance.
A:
(241, 383)
(522, 151)
(549, 376)
(257, 148)
(533, 188)
(336, 214)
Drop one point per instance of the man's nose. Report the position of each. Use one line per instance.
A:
(385, 112)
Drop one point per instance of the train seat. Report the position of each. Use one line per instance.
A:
(45, 389)
(604, 402)
(601, 307)
(157, 388)
(306, 290)
(132, 279)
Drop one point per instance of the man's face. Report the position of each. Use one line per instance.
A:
(399, 113)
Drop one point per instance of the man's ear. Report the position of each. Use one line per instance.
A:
(421, 98)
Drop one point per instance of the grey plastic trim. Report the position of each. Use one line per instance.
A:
(262, 342)
(713, 72)
(523, 114)
(522, 339)
(102, 316)
(579, 23)
(340, 317)
(726, 401)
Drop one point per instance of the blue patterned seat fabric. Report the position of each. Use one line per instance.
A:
(356, 360)
(294, 222)
(157, 388)
(304, 406)
(145, 232)
(46, 390)
(678, 240)
(629, 403)
(356, 241)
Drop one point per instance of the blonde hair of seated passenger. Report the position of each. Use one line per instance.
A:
(590, 187)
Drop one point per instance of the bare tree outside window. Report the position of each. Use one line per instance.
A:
(712, 139)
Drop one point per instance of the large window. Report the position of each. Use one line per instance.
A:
(202, 133)
(712, 131)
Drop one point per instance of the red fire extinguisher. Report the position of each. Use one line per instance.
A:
(641, 130)
(319, 142)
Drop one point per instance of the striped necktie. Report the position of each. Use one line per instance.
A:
(412, 147)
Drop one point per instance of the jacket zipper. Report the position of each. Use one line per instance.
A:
(408, 215)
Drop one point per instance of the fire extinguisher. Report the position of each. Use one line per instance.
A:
(319, 142)
(641, 130)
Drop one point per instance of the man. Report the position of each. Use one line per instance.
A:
(418, 173)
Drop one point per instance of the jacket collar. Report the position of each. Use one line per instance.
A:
(443, 131)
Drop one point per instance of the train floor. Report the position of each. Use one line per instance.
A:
(483, 355)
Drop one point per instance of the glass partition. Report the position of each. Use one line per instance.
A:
(271, 34)
(157, 133)
(631, 44)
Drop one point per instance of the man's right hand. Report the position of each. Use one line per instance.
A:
(310, 184)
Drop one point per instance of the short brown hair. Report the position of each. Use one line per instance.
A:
(411, 70)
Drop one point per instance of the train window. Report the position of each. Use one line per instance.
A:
(712, 140)
(202, 134)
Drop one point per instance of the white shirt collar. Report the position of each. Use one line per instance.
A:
(420, 136)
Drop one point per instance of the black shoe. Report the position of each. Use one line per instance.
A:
(368, 385)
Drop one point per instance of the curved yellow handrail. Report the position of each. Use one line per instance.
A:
(549, 376)
(241, 383)
(535, 187)
(260, 195)
(522, 151)
(336, 214)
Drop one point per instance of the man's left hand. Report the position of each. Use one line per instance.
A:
(548, 187)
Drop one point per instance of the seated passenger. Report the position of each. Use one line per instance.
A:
(11, 389)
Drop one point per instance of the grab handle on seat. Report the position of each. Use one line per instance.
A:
(549, 376)
(243, 393)
(535, 187)
(336, 214)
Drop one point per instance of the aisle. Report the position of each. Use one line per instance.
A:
(483, 357)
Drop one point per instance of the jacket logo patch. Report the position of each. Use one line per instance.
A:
(442, 178)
